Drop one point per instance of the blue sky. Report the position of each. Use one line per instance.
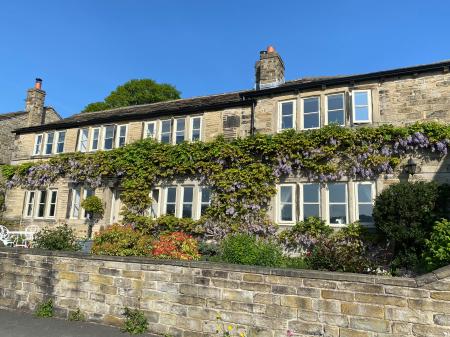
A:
(83, 49)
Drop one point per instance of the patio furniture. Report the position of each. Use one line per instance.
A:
(30, 231)
(5, 237)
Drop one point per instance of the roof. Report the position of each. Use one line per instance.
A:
(218, 101)
(10, 115)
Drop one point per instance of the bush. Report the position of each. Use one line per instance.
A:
(343, 251)
(120, 240)
(77, 316)
(304, 234)
(437, 248)
(168, 224)
(44, 309)
(58, 238)
(404, 213)
(177, 245)
(250, 250)
(135, 322)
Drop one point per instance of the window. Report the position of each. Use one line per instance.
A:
(286, 203)
(95, 139)
(311, 200)
(335, 109)
(188, 201)
(171, 200)
(109, 137)
(83, 140)
(87, 192)
(37, 144)
(364, 197)
(29, 207)
(362, 106)
(60, 142)
(41, 204)
(337, 203)
(196, 126)
(286, 118)
(76, 203)
(311, 115)
(150, 130)
(180, 125)
(122, 135)
(49, 143)
(205, 199)
(154, 208)
(52, 204)
(166, 131)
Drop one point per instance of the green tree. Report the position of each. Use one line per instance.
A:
(135, 92)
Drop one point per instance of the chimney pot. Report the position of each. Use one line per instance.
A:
(38, 84)
(270, 49)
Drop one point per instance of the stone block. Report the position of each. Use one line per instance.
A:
(421, 330)
(338, 295)
(296, 302)
(344, 332)
(334, 319)
(281, 289)
(381, 299)
(361, 287)
(369, 324)
(357, 309)
(253, 278)
(441, 319)
(259, 287)
(280, 312)
(237, 295)
(303, 328)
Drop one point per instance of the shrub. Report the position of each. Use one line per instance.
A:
(44, 309)
(437, 252)
(120, 240)
(58, 238)
(94, 208)
(404, 213)
(135, 322)
(176, 245)
(248, 249)
(304, 234)
(77, 315)
(343, 251)
(168, 224)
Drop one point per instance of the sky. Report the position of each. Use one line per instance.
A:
(84, 49)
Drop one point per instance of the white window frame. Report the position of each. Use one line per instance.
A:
(44, 152)
(155, 134)
(201, 203)
(342, 94)
(369, 106)
(49, 203)
(372, 193)
(57, 142)
(337, 203)
(166, 194)
(182, 201)
(75, 192)
(280, 114)
(118, 136)
(302, 200)
(28, 204)
(38, 203)
(175, 130)
(37, 149)
(80, 140)
(191, 128)
(104, 136)
(280, 204)
(156, 205)
(160, 133)
(91, 145)
(310, 113)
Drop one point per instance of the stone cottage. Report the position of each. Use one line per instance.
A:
(398, 96)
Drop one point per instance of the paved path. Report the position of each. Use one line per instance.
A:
(19, 324)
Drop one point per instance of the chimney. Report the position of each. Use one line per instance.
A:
(35, 104)
(269, 70)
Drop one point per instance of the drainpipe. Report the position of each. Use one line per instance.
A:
(252, 118)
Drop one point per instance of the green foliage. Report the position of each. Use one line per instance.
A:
(167, 224)
(59, 238)
(250, 250)
(77, 315)
(437, 247)
(93, 205)
(135, 92)
(135, 322)
(44, 309)
(120, 240)
(404, 213)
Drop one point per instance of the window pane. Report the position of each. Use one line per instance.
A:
(362, 113)
(188, 194)
(311, 210)
(165, 126)
(286, 212)
(337, 192)
(171, 194)
(336, 117)
(196, 123)
(180, 125)
(49, 145)
(154, 209)
(287, 122)
(187, 211)
(338, 214)
(364, 193)
(109, 133)
(109, 136)
(150, 130)
(206, 194)
(95, 139)
(42, 200)
(76, 203)
(60, 144)
(361, 98)
(311, 121)
(170, 209)
(287, 108)
(166, 131)
(37, 147)
(195, 135)
(30, 204)
(335, 102)
(286, 194)
(311, 193)
(311, 105)
(365, 213)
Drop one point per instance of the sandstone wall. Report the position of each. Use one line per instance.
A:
(7, 137)
(184, 299)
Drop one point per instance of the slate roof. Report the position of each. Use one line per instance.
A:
(10, 115)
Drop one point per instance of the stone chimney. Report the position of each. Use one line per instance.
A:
(35, 104)
(269, 70)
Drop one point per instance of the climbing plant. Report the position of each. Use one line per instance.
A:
(243, 172)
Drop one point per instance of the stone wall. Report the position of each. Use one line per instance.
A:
(184, 298)
(7, 125)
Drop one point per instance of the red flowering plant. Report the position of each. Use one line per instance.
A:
(176, 245)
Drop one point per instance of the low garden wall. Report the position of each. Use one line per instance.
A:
(184, 298)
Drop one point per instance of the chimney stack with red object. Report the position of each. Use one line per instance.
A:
(269, 70)
(35, 104)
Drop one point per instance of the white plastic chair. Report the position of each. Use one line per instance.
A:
(5, 237)
(30, 231)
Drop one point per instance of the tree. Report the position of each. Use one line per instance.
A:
(135, 92)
